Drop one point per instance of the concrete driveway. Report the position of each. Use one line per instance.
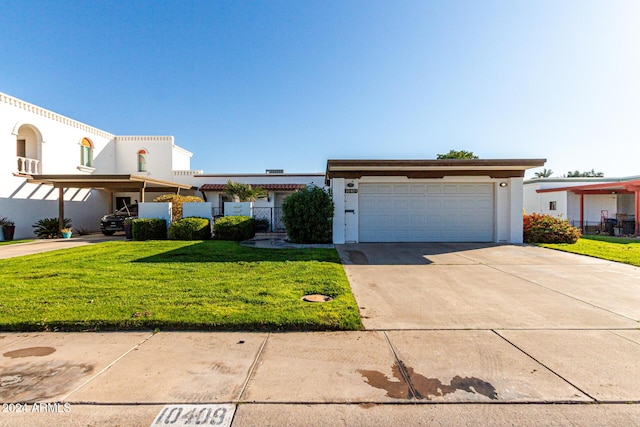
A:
(481, 286)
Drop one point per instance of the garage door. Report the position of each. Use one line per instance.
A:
(426, 213)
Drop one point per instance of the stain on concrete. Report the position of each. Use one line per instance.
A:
(357, 257)
(421, 387)
(396, 389)
(367, 405)
(29, 352)
(31, 382)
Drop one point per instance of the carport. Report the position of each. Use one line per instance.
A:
(622, 187)
(109, 183)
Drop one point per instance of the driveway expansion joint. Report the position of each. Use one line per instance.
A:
(560, 293)
(547, 368)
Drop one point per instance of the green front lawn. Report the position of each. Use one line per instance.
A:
(208, 285)
(610, 248)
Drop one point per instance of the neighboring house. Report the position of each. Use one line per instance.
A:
(275, 182)
(47, 155)
(587, 202)
(428, 200)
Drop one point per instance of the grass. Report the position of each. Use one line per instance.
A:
(175, 285)
(13, 242)
(611, 248)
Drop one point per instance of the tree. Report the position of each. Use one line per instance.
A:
(176, 203)
(546, 173)
(589, 174)
(455, 154)
(241, 192)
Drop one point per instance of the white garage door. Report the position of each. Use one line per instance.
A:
(426, 213)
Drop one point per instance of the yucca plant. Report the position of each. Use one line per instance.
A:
(49, 228)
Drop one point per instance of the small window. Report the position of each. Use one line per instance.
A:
(142, 161)
(552, 206)
(86, 153)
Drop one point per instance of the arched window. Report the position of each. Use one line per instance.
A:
(142, 160)
(86, 153)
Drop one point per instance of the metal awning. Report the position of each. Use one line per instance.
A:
(109, 182)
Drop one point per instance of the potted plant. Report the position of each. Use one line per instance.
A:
(8, 228)
(66, 233)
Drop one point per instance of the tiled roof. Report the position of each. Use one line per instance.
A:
(267, 187)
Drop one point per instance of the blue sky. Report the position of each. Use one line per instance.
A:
(251, 85)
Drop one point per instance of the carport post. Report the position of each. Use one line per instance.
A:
(60, 208)
(637, 194)
(581, 213)
(144, 184)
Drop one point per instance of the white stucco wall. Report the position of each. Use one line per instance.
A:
(180, 158)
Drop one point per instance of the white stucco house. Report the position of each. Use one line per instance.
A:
(587, 202)
(428, 200)
(52, 162)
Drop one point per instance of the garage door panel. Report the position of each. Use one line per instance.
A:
(426, 212)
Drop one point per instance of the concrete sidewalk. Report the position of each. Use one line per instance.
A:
(344, 378)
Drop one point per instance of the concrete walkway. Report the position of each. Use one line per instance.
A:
(46, 245)
(456, 335)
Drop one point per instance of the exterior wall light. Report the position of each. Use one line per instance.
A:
(350, 185)
(503, 184)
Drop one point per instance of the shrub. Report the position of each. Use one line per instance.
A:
(190, 229)
(540, 228)
(49, 228)
(176, 203)
(149, 229)
(308, 216)
(234, 228)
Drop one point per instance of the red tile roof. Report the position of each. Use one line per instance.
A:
(267, 187)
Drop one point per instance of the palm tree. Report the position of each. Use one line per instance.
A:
(546, 173)
(241, 192)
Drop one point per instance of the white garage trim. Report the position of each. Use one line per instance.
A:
(426, 212)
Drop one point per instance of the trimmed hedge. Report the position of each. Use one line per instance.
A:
(149, 229)
(234, 228)
(538, 228)
(308, 216)
(190, 229)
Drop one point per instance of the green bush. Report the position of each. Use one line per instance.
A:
(190, 229)
(49, 228)
(308, 216)
(234, 228)
(540, 228)
(149, 229)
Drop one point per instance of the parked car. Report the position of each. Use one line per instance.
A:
(111, 223)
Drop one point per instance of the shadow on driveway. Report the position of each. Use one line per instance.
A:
(401, 253)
